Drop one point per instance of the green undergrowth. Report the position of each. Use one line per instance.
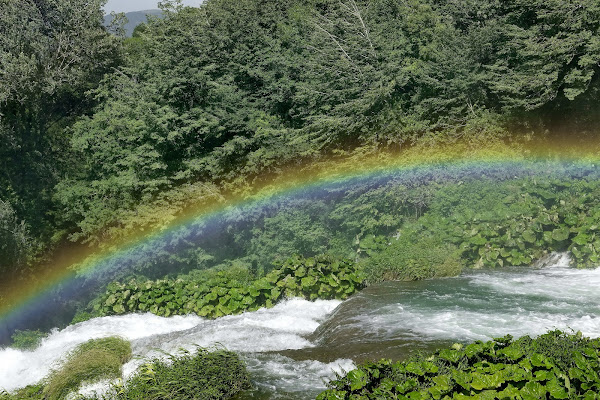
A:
(321, 277)
(206, 375)
(91, 361)
(494, 224)
(31, 392)
(555, 365)
(410, 258)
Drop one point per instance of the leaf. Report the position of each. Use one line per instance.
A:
(450, 355)
(118, 308)
(110, 300)
(300, 272)
(581, 239)
(484, 381)
(414, 368)
(560, 234)
(512, 353)
(358, 379)
(308, 282)
(406, 386)
(443, 382)
(529, 236)
(538, 360)
(533, 391)
(478, 240)
(556, 390)
(510, 392)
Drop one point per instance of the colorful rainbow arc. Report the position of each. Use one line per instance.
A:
(25, 300)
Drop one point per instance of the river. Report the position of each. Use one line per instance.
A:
(294, 347)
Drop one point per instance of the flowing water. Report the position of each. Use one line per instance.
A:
(293, 348)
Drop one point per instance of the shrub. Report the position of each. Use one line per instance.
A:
(204, 375)
(91, 361)
(410, 259)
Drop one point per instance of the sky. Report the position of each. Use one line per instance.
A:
(138, 5)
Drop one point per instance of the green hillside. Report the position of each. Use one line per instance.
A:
(134, 18)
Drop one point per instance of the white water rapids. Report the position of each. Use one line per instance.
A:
(281, 327)
(292, 348)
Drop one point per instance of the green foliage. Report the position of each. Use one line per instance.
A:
(232, 90)
(27, 340)
(414, 228)
(411, 257)
(514, 222)
(32, 392)
(51, 54)
(16, 244)
(97, 132)
(554, 366)
(207, 375)
(91, 361)
(217, 294)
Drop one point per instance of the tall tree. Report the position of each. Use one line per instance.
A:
(51, 53)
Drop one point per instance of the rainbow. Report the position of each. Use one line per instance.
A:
(27, 300)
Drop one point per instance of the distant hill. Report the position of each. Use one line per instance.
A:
(135, 18)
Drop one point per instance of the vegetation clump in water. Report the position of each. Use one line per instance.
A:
(92, 361)
(206, 375)
(555, 365)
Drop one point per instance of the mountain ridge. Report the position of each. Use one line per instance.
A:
(134, 18)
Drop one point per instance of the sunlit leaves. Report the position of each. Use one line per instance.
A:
(221, 295)
(562, 366)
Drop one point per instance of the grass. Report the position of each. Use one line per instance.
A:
(32, 392)
(90, 362)
(407, 259)
(206, 375)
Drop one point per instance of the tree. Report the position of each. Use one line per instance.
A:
(15, 243)
(51, 53)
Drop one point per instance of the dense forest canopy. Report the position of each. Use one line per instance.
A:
(97, 131)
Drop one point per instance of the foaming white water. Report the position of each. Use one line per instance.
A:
(279, 328)
(22, 368)
(555, 281)
(282, 327)
(487, 304)
(282, 377)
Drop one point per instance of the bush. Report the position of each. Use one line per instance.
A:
(554, 366)
(91, 361)
(205, 375)
(408, 258)
(27, 340)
